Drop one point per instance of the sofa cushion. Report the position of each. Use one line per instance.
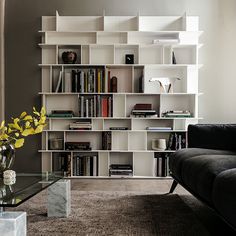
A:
(199, 173)
(224, 195)
(177, 159)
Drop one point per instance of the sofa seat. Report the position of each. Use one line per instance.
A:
(199, 172)
(178, 158)
(224, 195)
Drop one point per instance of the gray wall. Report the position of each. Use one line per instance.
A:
(23, 55)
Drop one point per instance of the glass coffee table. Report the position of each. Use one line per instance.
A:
(26, 186)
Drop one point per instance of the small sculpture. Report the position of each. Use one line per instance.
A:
(166, 83)
(69, 57)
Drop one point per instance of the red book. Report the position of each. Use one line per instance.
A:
(104, 107)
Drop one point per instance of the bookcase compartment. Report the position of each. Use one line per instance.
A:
(97, 124)
(185, 54)
(79, 23)
(137, 141)
(103, 164)
(111, 37)
(121, 158)
(49, 55)
(179, 86)
(138, 79)
(140, 169)
(160, 23)
(47, 79)
(132, 100)
(149, 37)
(85, 164)
(185, 102)
(119, 103)
(61, 102)
(124, 77)
(56, 140)
(122, 50)
(85, 54)
(117, 123)
(143, 124)
(102, 54)
(156, 135)
(151, 54)
(119, 141)
(120, 23)
(95, 138)
(72, 48)
(70, 38)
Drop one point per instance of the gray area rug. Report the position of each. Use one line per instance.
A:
(114, 213)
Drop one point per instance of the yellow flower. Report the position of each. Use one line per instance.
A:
(19, 143)
(21, 127)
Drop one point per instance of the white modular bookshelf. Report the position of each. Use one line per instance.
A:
(101, 43)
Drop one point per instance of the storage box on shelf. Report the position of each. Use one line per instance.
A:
(107, 113)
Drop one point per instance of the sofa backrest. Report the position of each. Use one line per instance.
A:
(212, 136)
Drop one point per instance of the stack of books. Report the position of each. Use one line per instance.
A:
(166, 40)
(81, 125)
(158, 128)
(120, 170)
(61, 113)
(177, 114)
(143, 110)
(78, 146)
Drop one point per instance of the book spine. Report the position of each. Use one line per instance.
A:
(87, 107)
(95, 106)
(104, 107)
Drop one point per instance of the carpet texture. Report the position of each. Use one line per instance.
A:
(114, 213)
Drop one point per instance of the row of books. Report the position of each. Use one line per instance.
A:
(81, 125)
(95, 106)
(85, 165)
(86, 81)
(120, 170)
(161, 165)
(143, 110)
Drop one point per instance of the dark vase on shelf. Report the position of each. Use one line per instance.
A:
(69, 57)
(7, 156)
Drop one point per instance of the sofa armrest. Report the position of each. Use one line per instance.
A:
(212, 136)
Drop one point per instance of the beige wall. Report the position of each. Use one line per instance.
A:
(2, 100)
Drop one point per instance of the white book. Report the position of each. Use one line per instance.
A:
(82, 106)
(95, 106)
(159, 170)
(91, 108)
(94, 165)
(67, 82)
(87, 107)
(59, 82)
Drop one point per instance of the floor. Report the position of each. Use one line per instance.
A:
(208, 218)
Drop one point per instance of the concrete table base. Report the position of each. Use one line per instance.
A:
(13, 223)
(59, 199)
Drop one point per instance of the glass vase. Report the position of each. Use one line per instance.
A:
(7, 156)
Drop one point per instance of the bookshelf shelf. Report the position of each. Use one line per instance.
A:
(91, 102)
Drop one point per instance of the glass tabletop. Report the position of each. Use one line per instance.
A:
(25, 186)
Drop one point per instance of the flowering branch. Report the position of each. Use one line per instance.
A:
(15, 132)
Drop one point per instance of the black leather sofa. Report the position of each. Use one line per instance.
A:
(207, 168)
